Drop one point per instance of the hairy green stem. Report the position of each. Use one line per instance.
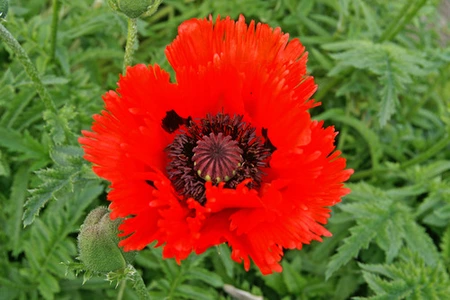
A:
(30, 69)
(139, 285)
(131, 41)
(54, 28)
(121, 290)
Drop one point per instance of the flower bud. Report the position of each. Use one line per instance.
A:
(131, 8)
(98, 243)
(3, 8)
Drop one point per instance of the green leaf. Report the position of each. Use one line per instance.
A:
(206, 276)
(371, 138)
(48, 286)
(419, 241)
(370, 18)
(224, 254)
(393, 65)
(59, 125)
(390, 238)
(59, 179)
(25, 144)
(276, 282)
(445, 247)
(409, 278)
(4, 166)
(346, 286)
(390, 223)
(17, 198)
(49, 244)
(54, 181)
(194, 292)
(360, 238)
(295, 283)
(388, 93)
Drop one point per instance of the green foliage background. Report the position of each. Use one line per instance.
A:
(383, 69)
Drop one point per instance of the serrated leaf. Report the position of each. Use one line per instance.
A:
(388, 93)
(66, 155)
(410, 278)
(68, 169)
(390, 238)
(22, 143)
(420, 242)
(18, 196)
(48, 244)
(374, 282)
(378, 217)
(361, 236)
(53, 182)
(58, 124)
(392, 64)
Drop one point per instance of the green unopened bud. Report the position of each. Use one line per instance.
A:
(132, 8)
(3, 8)
(98, 243)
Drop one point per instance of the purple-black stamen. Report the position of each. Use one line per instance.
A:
(216, 148)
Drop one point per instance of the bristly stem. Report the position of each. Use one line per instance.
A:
(132, 35)
(131, 42)
(30, 69)
(138, 284)
(121, 290)
(54, 28)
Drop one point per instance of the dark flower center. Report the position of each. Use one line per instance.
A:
(216, 157)
(216, 148)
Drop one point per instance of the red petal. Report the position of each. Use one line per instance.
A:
(146, 92)
(233, 68)
(273, 91)
(127, 137)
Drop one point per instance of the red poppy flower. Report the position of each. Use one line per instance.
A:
(227, 154)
